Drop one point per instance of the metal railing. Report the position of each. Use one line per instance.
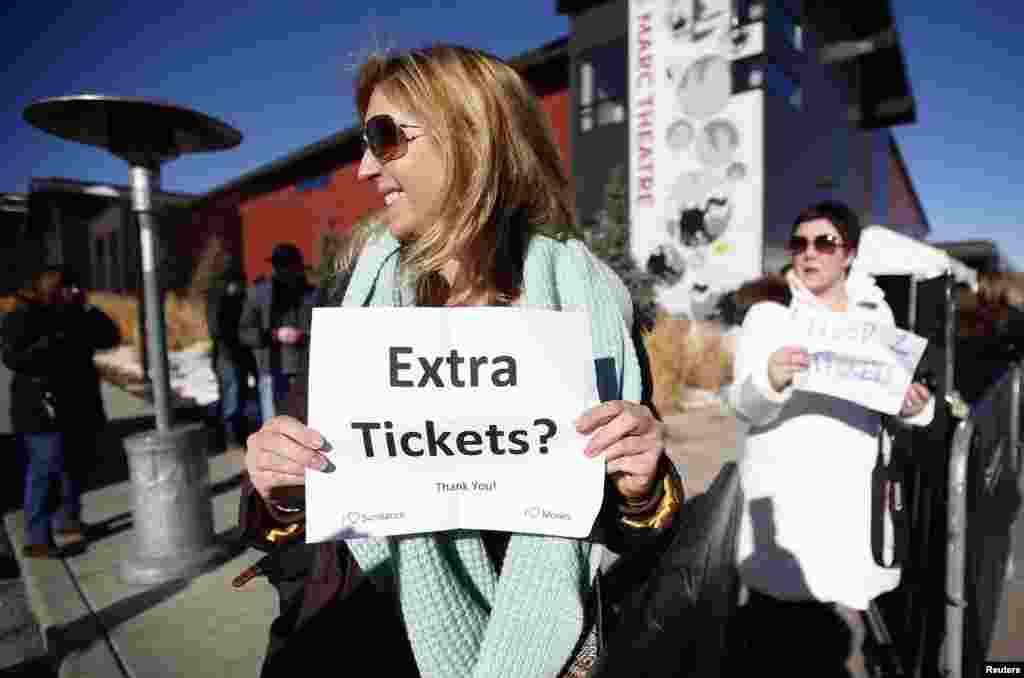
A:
(984, 489)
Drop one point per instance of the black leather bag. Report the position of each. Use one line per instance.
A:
(364, 618)
(671, 620)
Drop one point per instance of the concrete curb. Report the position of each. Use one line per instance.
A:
(71, 632)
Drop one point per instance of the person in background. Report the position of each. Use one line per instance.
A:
(233, 361)
(12, 485)
(991, 333)
(463, 157)
(804, 549)
(275, 325)
(56, 406)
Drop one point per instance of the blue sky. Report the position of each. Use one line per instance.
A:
(280, 73)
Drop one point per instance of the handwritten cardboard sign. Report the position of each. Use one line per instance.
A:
(864, 361)
(442, 419)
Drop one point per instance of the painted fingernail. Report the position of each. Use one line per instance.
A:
(318, 442)
(325, 464)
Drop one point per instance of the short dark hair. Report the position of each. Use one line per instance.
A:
(286, 254)
(836, 213)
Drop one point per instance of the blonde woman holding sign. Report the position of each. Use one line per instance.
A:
(805, 544)
(464, 160)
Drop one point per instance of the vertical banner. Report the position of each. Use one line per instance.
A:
(696, 151)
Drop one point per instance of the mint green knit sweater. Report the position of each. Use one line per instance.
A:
(463, 620)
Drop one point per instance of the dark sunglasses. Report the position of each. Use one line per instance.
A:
(385, 138)
(825, 243)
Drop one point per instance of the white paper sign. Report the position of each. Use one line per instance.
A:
(866, 362)
(442, 419)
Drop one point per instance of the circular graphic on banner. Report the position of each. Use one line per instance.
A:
(699, 208)
(666, 265)
(704, 88)
(717, 143)
(737, 171)
(679, 135)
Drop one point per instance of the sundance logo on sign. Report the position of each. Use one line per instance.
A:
(355, 517)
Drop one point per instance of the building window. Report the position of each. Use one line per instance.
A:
(777, 17)
(54, 249)
(114, 281)
(747, 74)
(603, 85)
(10, 232)
(101, 265)
(757, 73)
(781, 21)
(313, 183)
(781, 84)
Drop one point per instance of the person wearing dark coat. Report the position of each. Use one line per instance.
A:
(991, 337)
(56, 405)
(233, 361)
(275, 325)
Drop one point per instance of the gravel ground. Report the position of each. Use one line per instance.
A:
(700, 440)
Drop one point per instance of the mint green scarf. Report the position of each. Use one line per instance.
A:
(463, 620)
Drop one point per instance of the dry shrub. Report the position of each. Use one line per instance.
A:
(185, 319)
(121, 309)
(666, 351)
(210, 267)
(328, 243)
(984, 313)
(709, 363)
(686, 354)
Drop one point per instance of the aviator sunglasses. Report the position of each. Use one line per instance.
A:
(825, 243)
(385, 138)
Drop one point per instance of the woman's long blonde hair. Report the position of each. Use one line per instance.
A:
(504, 175)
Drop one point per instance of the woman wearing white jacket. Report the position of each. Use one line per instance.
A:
(804, 549)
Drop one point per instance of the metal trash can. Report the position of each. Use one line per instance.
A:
(171, 508)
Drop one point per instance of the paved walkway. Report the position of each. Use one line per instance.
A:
(95, 625)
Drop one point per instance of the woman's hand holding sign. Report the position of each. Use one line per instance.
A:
(632, 441)
(784, 364)
(914, 401)
(278, 455)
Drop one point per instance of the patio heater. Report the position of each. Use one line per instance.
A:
(172, 510)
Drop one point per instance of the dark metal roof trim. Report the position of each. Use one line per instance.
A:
(103, 190)
(865, 36)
